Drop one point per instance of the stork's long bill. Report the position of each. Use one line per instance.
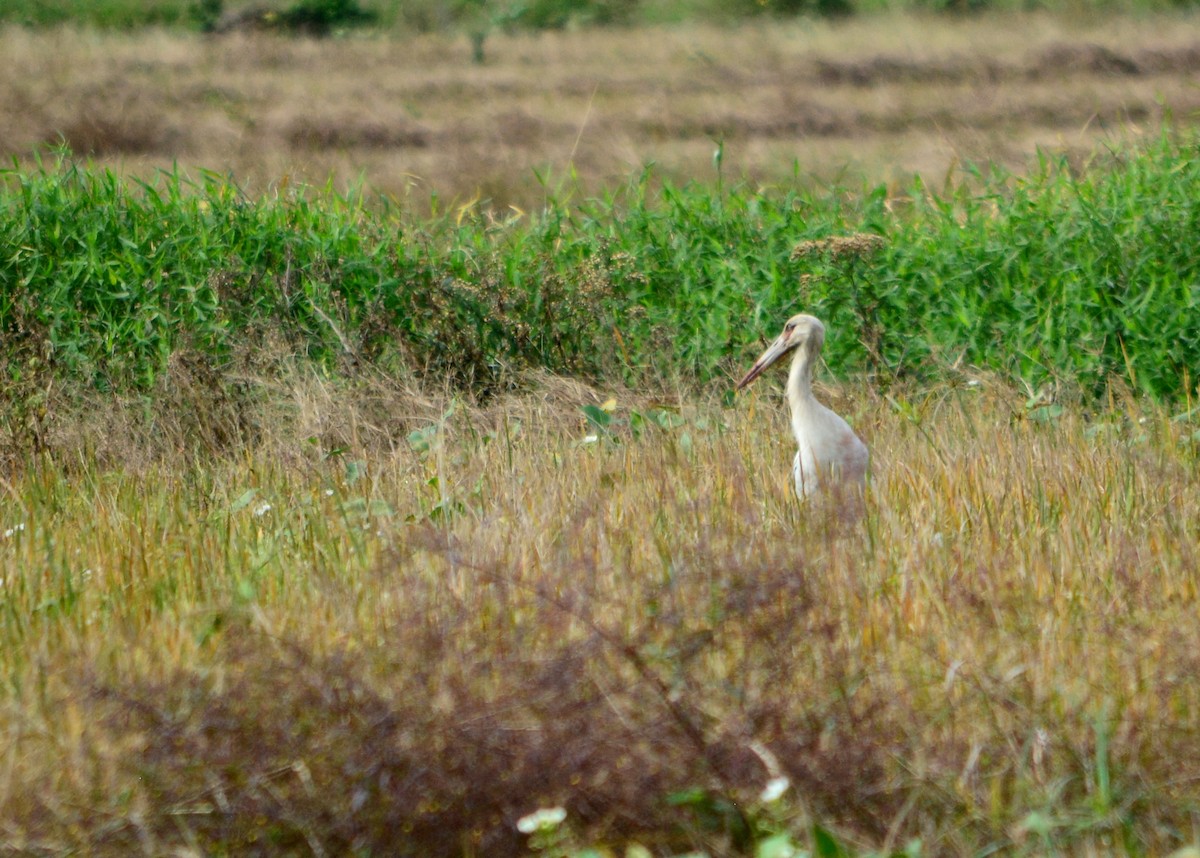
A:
(774, 352)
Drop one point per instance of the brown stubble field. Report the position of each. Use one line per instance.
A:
(879, 100)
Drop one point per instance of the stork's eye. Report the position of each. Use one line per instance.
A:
(787, 329)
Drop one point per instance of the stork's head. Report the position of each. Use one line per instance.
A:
(801, 331)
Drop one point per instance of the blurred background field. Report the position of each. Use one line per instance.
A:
(794, 101)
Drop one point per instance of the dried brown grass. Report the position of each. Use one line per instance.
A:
(419, 641)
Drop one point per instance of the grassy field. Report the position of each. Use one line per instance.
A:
(372, 519)
(272, 588)
(406, 650)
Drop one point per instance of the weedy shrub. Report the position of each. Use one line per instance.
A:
(105, 282)
(124, 14)
(1071, 278)
(310, 17)
(1066, 281)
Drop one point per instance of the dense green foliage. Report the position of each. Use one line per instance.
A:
(310, 16)
(1055, 277)
(533, 14)
(101, 13)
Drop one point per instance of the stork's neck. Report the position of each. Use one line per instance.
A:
(799, 385)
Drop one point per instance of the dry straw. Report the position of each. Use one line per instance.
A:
(410, 648)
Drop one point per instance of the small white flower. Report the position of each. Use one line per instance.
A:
(8, 534)
(542, 819)
(774, 789)
(973, 383)
(262, 509)
(328, 493)
(590, 439)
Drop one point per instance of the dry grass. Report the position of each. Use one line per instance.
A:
(880, 98)
(414, 645)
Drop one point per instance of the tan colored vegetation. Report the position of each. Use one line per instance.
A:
(877, 97)
(469, 614)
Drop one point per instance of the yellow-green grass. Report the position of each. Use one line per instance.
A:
(403, 646)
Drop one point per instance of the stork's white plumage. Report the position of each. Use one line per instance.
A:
(830, 453)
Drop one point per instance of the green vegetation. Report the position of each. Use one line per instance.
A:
(311, 17)
(1061, 278)
(321, 17)
(123, 14)
(316, 17)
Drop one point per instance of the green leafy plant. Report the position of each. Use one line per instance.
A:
(322, 17)
(1065, 281)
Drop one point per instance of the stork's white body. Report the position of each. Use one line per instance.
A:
(829, 452)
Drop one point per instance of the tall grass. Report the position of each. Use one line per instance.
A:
(407, 652)
(1064, 279)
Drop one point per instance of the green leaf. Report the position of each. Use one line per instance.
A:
(356, 469)
(244, 500)
(777, 846)
(1046, 413)
(687, 797)
(598, 417)
(422, 439)
(667, 419)
(825, 845)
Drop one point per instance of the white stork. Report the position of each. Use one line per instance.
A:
(829, 451)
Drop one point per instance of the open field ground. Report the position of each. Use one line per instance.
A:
(405, 647)
(334, 525)
(874, 98)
